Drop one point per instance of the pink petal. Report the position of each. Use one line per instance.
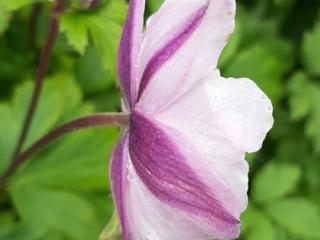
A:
(129, 48)
(224, 119)
(182, 42)
(170, 180)
(118, 181)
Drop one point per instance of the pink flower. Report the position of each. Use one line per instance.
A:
(179, 171)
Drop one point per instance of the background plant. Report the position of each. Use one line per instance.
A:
(63, 192)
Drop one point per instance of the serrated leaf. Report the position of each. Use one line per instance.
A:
(311, 51)
(104, 28)
(256, 225)
(76, 29)
(299, 216)
(105, 36)
(275, 181)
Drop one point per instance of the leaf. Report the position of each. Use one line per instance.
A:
(311, 51)
(59, 99)
(46, 186)
(304, 103)
(9, 128)
(92, 81)
(312, 126)
(112, 229)
(275, 181)
(4, 20)
(299, 216)
(300, 101)
(313, 177)
(106, 36)
(153, 5)
(60, 210)
(16, 4)
(76, 29)
(77, 161)
(256, 226)
(103, 26)
(267, 59)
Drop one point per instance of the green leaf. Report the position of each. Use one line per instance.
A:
(46, 185)
(106, 37)
(256, 226)
(275, 181)
(300, 101)
(304, 103)
(9, 128)
(16, 4)
(268, 59)
(311, 51)
(64, 211)
(76, 29)
(299, 216)
(153, 5)
(92, 81)
(4, 20)
(312, 126)
(77, 161)
(104, 28)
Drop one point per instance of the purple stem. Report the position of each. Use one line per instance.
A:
(41, 71)
(92, 121)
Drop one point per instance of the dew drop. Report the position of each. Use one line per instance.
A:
(130, 177)
(269, 108)
(263, 97)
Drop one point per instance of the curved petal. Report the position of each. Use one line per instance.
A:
(182, 42)
(224, 118)
(171, 180)
(129, 49)
(118, 181)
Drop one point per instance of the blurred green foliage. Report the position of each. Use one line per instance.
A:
(63, 192)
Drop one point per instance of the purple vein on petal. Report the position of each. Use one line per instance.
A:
(166, 52)
(164, 170)
(125, 52)
(117, 177)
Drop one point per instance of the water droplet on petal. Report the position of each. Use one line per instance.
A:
(263, 97)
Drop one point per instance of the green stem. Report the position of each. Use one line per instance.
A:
(92, 121)
(41, 71)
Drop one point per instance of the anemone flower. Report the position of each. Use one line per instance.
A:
(179, 171)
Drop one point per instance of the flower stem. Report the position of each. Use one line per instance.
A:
(92, 121)
(41, 71)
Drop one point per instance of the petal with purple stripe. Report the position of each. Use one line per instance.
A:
(129, 48)
(164, 169)
(118, 181)
(174, 44)
(180, 47)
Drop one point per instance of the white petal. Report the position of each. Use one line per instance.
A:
(224, 119)
(194, 57)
